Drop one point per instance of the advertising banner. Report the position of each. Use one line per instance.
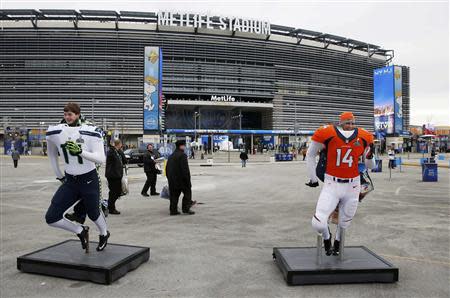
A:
(398, 120)
(152, 88)
(383, 91)
(222, 142)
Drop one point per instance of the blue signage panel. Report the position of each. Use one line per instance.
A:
(239, 131)
(398, 119)
(152, 88)
(383, 91)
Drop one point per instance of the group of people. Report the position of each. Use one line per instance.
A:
(178, 177)
(80, 144)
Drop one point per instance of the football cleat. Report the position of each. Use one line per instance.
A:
(103, 241)
(327, 246)
(84, 238)
(336, 247)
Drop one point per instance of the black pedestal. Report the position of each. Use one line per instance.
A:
(68, 260)
(360, 265)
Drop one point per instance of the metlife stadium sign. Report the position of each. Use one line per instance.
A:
(213, 22)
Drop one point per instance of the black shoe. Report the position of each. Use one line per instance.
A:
(74, 217)
(144, 194)
(327, 246)
(114, 212)
(154, 194)
(189, 212)
(84, 238)
(336, 247)
(103, 241)
(175, 213)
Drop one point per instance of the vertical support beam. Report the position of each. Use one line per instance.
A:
(319, 249)
(212, 145)
(342, 245)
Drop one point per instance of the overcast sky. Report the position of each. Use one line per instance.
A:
(418, 31)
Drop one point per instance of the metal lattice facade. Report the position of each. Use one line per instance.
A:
(43, 68)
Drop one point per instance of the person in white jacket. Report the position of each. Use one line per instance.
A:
(81, 147)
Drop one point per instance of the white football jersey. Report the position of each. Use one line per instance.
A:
(87, 136)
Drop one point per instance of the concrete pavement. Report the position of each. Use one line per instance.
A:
(225, 249)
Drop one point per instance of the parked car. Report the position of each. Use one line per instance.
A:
(135, 156)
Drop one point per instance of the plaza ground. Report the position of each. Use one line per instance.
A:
(225, 249)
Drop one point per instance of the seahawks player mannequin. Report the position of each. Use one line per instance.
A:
(81, 147)
(344, 145)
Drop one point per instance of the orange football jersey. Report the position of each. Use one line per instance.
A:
(342, 153)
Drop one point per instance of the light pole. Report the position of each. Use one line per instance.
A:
(295, 120)
(196, 115)
(41, 142)
(92, 112)
(240, 121)
(23, 116)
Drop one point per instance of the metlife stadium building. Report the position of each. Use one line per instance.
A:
(214, 74)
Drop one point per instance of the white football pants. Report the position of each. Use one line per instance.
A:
(332, 194)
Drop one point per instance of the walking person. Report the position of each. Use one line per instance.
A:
(391, 154)
(15, 157)
(115, 161)
(179, 178)
(304, 150)
(244, 157)
(150, 171)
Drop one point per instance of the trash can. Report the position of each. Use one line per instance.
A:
(429, 172)
(378, 166)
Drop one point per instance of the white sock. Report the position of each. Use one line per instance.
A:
(67, 225)
(101, 224)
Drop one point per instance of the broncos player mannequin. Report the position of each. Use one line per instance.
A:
(81, 147)
(341, 147)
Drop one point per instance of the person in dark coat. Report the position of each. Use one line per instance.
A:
(15, 156)
(179, 177)
(150, 171)
(244, 157)
(115, 161)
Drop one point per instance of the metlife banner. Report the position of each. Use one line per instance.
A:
(383, 92)
(152, 88)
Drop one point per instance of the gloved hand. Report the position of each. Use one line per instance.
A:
(370, 153)
(312, 184)
(73, 148)
(62, 180)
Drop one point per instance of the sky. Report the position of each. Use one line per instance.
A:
(418, 32)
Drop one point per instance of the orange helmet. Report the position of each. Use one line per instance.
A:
(346, 116)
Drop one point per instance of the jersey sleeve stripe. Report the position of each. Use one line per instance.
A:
(90, 133)
(53, 132)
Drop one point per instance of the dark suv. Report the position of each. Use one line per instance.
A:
(135, 156)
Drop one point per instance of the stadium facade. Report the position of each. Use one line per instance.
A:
(218, 73)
